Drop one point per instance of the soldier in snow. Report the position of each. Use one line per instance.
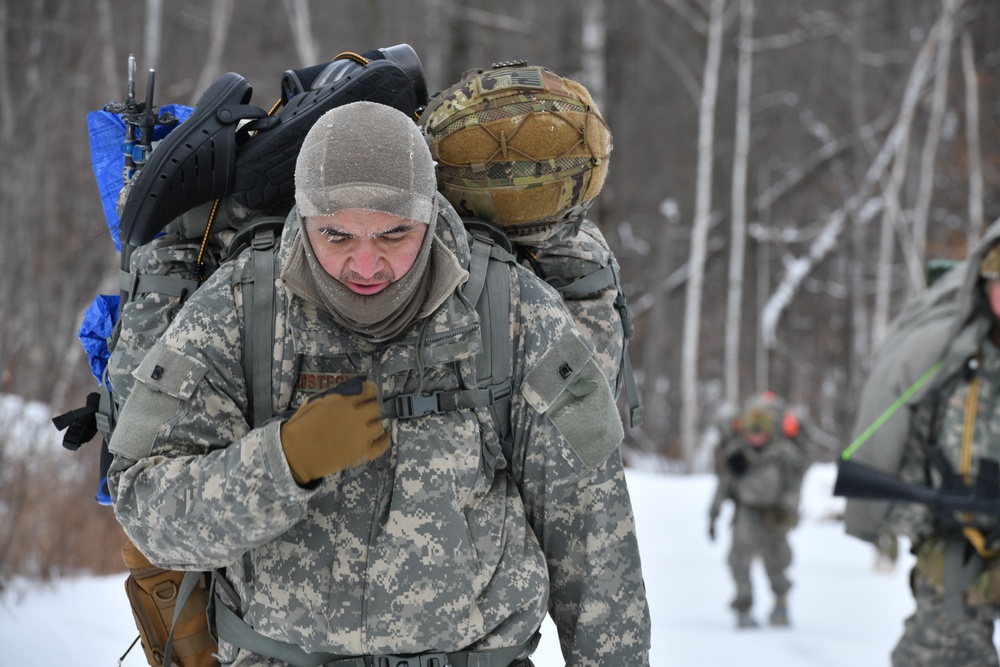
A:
(760, 466)
(349, 528)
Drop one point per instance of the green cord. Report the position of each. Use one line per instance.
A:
(882, 418)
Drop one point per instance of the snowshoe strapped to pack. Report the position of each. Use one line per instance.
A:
(212, 156)
(265, 166)
(189, 167)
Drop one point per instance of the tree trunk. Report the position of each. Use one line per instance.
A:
(222, 14)
(799, 268)
(302, 34)
(973, 148)
(737, 249)
(593, 56)
(939, 100)
(892, 218)
(154, 33)
(699, 236)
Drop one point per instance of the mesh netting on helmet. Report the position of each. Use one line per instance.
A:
(517, 145)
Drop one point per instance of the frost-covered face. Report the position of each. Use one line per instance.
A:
(363, 249)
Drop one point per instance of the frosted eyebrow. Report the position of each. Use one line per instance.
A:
(401, 228)
(341, 235)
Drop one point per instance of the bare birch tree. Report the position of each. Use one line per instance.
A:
(7, 123)
(796, 269)
(939, 100)
(737, 248)
(699, 234)
(302, 35)
(106, 30)
(153, 33)
(593, 56)
(222, 14)
(973, 147)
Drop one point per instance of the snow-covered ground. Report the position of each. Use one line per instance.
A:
(844, 611)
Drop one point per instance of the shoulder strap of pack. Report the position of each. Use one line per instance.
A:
(598, 281)
(488, 288)
(258, 304)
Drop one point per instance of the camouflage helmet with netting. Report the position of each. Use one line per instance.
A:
(516, 145)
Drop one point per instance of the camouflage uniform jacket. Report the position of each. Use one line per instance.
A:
(440, 544)
(946, 324)
(939, 420)
(771, 477)
(575, 251)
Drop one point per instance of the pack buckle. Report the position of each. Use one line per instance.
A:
(418, 660)
(417, 405)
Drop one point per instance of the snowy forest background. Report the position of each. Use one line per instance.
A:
(784, 172)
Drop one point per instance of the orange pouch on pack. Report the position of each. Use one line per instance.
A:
(152, 593)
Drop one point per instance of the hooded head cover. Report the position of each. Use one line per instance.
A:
(366, 155)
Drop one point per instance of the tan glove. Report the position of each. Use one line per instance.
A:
(333, 431)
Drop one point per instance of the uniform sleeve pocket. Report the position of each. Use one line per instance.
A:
(170, 372)
(164, 380)
(568, 386)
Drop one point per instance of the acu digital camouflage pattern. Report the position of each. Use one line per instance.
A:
(441, 544)
(517, 145)
(568, 253)
(162, 274)
(765, 496)
(932, 638)
(939, 420)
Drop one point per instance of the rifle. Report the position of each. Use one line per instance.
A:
(954, 501)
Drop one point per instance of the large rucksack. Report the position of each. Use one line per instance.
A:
(179, 224)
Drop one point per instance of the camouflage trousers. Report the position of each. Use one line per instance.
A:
(757, 533)
(931, 637)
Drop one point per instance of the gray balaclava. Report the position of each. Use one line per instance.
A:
(365, 155)
(370, 156)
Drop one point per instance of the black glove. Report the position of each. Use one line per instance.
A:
(81, 423)
(711, 528)
(738, 462)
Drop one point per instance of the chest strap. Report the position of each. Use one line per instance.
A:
(234, 630)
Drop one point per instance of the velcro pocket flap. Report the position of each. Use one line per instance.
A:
(569, 387)
(170, 372)
(555, 371)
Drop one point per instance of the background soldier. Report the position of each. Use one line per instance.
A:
(760, 466)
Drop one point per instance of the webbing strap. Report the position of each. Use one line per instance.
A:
(631, 391)
(958, 574)
(598, 281)
(498, 361)
(972, 534)
(969, 425)
(258, 306)
(488, 289)
(133, 284)
(477, 270)
(188, 583)
(407, 406)
(236, 631)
